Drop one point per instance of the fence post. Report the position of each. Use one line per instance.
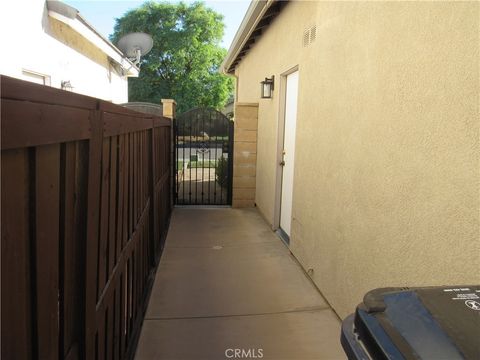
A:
(169, 108)
(169, 111)
(245, 145)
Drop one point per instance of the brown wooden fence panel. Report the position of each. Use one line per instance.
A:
(85, 209)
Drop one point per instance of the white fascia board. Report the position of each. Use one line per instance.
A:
(98, 41)
(253, 15)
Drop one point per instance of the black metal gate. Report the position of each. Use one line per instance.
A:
(204, 158)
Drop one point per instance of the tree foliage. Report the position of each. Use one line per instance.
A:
(185, 58)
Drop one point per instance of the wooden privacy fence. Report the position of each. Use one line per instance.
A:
(86, 199)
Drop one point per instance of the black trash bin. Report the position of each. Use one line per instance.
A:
(415, 323)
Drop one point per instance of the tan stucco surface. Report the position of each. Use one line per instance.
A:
(74, 40)
(386, 187)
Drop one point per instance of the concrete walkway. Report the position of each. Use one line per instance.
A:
(226, 282)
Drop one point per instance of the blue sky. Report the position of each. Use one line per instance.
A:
(101, 14)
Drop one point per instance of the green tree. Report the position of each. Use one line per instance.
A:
(185, 57)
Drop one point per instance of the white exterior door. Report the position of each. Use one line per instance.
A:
(289, 152)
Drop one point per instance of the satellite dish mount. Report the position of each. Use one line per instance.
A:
(135, 45)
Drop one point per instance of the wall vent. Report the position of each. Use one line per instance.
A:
(309, 35)
(306, 38)
(313, 33)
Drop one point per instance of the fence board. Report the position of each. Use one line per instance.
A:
(117, 323)
(131, 185)
(16, 255)
(128, 302)
(101, 335)
(70, 254)
(112, 229)
(110, 327)
(120, 197)
(135, 178)
(103, 239)
(93, 211)
(126, 187)
(47, 194)
(123, 311)
(151, 191)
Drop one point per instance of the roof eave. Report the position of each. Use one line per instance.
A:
(253, 15)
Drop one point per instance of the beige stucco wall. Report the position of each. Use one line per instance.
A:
(386, 187)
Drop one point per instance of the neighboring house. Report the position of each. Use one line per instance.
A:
(52, 44)
(376, 107)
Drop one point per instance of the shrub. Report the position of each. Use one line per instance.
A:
(221, 172)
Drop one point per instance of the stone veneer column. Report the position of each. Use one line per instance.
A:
(169, 108)
(245, 154)
(169, 111)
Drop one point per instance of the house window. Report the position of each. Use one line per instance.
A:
(36, 77)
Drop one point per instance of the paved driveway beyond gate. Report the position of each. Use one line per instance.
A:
(228, 288)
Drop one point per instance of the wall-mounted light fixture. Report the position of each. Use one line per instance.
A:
(66, 85)
(267, 87)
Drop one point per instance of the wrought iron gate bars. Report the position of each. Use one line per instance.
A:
(199, 133)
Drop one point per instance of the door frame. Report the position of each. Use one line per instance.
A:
(280, 143)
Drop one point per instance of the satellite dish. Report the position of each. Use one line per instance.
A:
(135, 45)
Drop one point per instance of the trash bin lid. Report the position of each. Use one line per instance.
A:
(423, 323)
